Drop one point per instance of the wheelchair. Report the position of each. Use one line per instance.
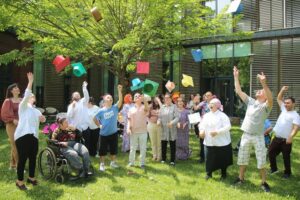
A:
(52, 164)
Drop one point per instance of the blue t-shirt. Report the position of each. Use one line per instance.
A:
(267, 124)
(108, 118)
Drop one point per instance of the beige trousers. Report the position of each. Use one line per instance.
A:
(154, 131)
(10, 130)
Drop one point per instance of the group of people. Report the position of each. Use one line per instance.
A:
(164, 119)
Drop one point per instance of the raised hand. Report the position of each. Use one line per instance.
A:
(84, 84)
(30, 76)
(236, 72)
(285, 88)
(262, 78)
(120, 87)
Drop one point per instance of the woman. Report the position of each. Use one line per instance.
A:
(26, 135)
(182, 142)
(154, 129)
(214, 128)
(9, 114)
(93, 128)
(72, 150)
(127, 105)
(168, 118)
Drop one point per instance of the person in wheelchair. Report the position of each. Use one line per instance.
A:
(68, 140)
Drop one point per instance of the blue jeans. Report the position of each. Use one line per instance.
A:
(73, 152)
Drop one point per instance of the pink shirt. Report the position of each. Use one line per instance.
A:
(153, 116)
(138, 119)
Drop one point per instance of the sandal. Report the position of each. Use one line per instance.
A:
(33, 182)
(21, 187)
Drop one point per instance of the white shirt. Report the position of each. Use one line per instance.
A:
(255, 117)
(28, 118)
(92, 112)
(284, 124)
(78, 116)
(218, 122)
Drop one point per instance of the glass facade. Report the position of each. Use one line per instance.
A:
(217, 76)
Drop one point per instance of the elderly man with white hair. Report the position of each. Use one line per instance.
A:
(214, 129)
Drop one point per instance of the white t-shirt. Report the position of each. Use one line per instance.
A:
(219, 122)
(92, 113)
(284, 124)
(255, 117)
(28, 118)
(78, 116)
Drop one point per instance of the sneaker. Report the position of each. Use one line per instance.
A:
(286, 176)
(114, 165)
(143, 166)
(172, 163)
(102, 167)
(162, 161)
(274, 171)
(130, 165)
(238, 181)
(265, 186)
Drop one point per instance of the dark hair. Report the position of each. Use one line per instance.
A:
(291, 98)
(9, 89)
(61, 120)
(155, 105)
(92, 100)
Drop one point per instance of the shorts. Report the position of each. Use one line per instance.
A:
(110, 143)
(247, 141)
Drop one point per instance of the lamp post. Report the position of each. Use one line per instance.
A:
(251, 58)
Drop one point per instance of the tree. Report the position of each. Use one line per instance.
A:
(130, 29)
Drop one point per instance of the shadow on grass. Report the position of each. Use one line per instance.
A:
(184, 197)
(45, 193)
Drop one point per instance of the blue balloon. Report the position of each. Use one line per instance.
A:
(197, 55)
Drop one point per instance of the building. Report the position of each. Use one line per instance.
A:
(273, 48)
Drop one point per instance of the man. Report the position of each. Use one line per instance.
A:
(137, 129)
(108, 118)
(285, 130)
(203, 108)
(257, 112)
(77, 114)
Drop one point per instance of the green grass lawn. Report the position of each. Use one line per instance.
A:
(158, 181)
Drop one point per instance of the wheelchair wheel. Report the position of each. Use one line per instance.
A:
(59, 178)
(47, 163)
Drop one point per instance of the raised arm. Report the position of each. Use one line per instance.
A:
(86, 95)
(158, 101)
(237, 85)
(28, 91)
(280, 94)
(263, 81)
(120, 101)
(146, 105)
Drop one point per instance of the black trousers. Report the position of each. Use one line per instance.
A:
(27, 147)
(164, 144)
(201, 146)
(91, 137)
(279, 145)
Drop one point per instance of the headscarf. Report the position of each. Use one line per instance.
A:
(218, 103)
(127, 99)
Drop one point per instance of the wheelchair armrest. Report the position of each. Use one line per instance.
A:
(53, 142)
